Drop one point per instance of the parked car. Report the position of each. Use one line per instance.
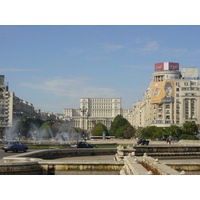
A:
(81, 145)
(14, 146)
(143, 142)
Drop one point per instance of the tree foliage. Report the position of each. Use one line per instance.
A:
(117, 123)
(129, 131)
(190, 128)
(120, 127)
(173, 131)
(188, 131)
(98, 129)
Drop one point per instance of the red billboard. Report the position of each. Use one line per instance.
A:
(166, 66)
(159, 66)
(173, 66)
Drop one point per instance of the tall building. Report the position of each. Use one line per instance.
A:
(13, 108)
(172, 98)
(92, 111)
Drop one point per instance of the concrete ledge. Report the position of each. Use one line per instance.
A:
(133, 167)
(158, 167)
(60, 153)
(27, 168)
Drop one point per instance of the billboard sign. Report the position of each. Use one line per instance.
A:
(173, 66)
(166, 66)
(162, 92)
(159, 67)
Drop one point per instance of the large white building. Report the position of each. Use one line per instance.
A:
(13, 108)
(92, 111)
(172, 98)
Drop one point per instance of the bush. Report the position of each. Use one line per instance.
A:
(188, 137)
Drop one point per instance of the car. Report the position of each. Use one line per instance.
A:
(14, 146)
(81, 145)
(143, 142)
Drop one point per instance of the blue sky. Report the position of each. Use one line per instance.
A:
(54, 66)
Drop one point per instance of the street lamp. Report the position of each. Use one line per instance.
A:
(83, 110)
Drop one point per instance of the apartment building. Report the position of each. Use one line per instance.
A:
(13, 108)
(92, 111)
(172, 98)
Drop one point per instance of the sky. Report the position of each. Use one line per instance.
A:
(53, 66)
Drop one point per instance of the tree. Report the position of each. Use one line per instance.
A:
(117, 123)
(26, 125)
(139, 131)
(190, 128)
(120, 131)
(150, 132)
(173, 131)
(129, 131)
(98, 130)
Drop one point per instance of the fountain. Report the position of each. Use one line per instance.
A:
(10, 132)
(47, 135)
(64, 133)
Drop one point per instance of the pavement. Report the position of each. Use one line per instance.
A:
(87, 158)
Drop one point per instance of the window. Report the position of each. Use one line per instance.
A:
(167, 106)
(186, 83)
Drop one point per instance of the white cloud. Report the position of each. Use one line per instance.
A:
(145, 46)
(151, 46)
(111, 47)
(176, 52)
(71, 87)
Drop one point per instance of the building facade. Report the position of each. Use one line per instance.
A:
(172, 98)
(92, 111)
(13, 108)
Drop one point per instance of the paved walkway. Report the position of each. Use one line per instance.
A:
(87, 158)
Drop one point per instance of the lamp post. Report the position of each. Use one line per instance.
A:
(83, 110)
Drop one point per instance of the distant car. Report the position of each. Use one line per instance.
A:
(143, 142)
(81, 145)
(14, 146)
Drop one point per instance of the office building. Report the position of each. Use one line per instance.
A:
(92, 111)
(172, 98)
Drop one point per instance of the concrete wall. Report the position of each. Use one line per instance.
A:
(145, 165)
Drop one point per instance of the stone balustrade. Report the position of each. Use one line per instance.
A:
(146, 165)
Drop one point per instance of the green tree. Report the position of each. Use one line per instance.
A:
(150, 132)
(98, 129)
(26, 125)
(190, 128)
(138, 132)
(117, 123)
(129, 131)
(120, 131)
(157, 133)
(188, 137)
(173, 131)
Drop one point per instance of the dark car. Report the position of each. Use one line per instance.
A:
(81, 145)
(14, 146)
(143, 142)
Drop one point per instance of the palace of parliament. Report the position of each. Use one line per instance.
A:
(172, 98)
